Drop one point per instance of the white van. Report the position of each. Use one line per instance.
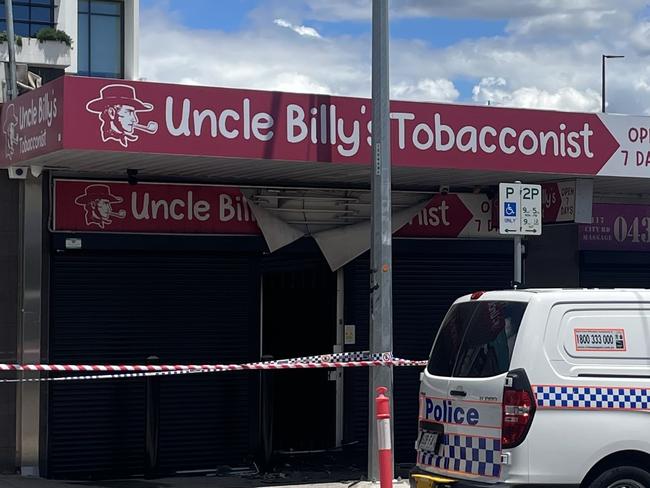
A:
(538, 387)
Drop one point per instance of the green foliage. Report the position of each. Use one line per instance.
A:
(52, 34)
(17, 39)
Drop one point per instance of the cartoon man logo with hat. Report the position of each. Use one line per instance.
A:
(97, 202)
(117, 108)
(10, 129)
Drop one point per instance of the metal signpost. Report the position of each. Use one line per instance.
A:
(381, 266)
(12, 89)
(520, 213)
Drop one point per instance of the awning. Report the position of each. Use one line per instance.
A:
(101, 128)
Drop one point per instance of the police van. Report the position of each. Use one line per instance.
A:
(538, 387)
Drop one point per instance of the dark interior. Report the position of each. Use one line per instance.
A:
(299, 319)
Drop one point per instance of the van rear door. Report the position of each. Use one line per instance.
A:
(462, 390)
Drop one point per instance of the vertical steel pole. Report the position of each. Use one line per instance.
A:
(28, 408)
(381, 266)
(152, 422)
(602, 86)
(340, 347)
(517, 253)
(518, 262)
(603, 93)
(12, 89)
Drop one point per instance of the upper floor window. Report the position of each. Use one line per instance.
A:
(30, 16)
(100, 45)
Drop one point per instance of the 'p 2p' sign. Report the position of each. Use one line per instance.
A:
(520, 209)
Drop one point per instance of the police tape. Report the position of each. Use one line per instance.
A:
(112, 371)
(301, 362)
(104, 376)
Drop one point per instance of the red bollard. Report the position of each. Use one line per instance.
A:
(382, 409)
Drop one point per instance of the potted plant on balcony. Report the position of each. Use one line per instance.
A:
(17, 39)
(52, 34)
(49, 46)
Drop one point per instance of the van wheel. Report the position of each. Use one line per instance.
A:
(622, 477)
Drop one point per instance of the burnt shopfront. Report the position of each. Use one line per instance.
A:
(181, 272)
(206, 225)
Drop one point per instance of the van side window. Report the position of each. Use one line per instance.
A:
(476, 339)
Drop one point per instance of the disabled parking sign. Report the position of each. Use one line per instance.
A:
(521, 209)
(510, 209)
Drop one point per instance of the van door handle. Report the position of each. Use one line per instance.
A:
(459, 393)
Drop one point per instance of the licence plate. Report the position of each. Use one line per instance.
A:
(428, 441)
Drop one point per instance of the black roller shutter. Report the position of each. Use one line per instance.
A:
(355, 380)
(602, 269)
(427, 277)
(121, 307)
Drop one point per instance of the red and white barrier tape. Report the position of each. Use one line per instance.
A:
(104, 376)
(133, 371)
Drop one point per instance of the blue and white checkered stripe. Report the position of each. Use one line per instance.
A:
(466, 454)
(595, 397)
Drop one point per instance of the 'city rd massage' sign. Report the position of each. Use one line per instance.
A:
(617, 227)
(78, 113)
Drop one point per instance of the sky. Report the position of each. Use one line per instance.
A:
(520, 53)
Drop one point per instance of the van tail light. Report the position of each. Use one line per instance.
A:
(518, 409)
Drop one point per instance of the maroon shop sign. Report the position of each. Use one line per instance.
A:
(559, 201)
(453, 215)
(92, 114)
(109, 206)
(169, 208)
(617, 227)
(32, 125)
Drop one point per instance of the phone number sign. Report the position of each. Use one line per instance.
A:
(617, 227)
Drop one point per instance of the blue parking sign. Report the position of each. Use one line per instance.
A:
(510, 209)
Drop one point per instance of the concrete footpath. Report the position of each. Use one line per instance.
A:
(296, 480)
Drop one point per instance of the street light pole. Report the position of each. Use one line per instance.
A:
(602, 83)
(381, 265)
(12, 89)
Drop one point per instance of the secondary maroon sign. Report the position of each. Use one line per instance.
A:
(168, 208)
(559, 201)
(143, 117)
(453, 215)
(32, 125)
(617, 227)
(109, 206)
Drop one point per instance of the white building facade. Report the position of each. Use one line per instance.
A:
(103, 34)
(103, 42)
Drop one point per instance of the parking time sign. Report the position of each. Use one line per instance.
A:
(520, 209)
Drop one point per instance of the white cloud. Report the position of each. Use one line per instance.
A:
(640, 38)
(298, 29)
(494, 91)
(335, 10)
(439, 90)
(573, 24)
(298, 82)
(643, 85)
(548, 57)
(263, 58)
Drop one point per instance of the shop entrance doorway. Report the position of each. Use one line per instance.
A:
(299, 319)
